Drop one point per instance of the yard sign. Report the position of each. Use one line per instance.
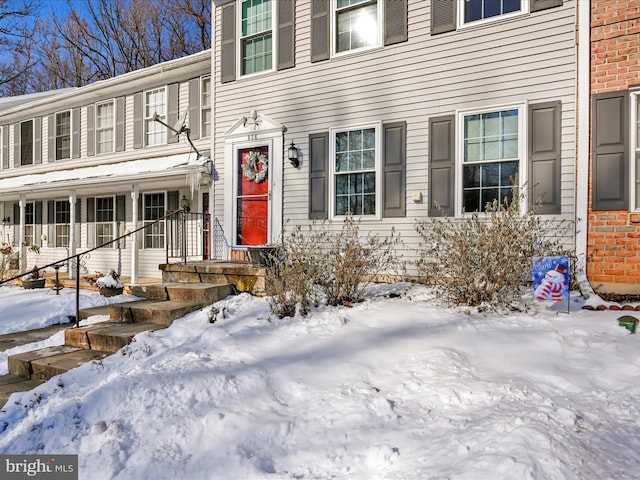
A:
(551, 279)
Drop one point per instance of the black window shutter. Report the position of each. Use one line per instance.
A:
(75, 133)
(320, 30)
(51, 221)
(51, 138)
(319, 175)
(5, 147)
(141, 208)
(37, 140)
(442, 162)
(610, 170)
(76, 226)
(172, 111)
(173, 200)
(16, 215)
(121, 208)
(91, 132)
(16, 145)
(194, 108)
(286, 34)
(395, 21)
(138, 121)
(228, 44)
(443, 16)
(91, 209)
(537, 5)
(37, 236)
(545, 156)
(120, 125)
(394, 168)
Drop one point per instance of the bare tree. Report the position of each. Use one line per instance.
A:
(97, 40)
(17, 27)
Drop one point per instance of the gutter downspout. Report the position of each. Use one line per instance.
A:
(72, 232)
(134, 238)
(583, 142)
(212, 156)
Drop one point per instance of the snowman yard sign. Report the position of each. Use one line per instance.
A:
(551, 279)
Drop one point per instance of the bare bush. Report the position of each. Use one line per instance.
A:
(333, 266)
(485, 258)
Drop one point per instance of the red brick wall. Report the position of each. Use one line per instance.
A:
(613, 250)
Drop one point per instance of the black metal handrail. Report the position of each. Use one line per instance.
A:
(78, 255)
(187, 236)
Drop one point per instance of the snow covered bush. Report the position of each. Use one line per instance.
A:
(321, 264)
(485, 258)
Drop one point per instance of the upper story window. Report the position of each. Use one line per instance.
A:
(256, 36)
(492, 146)
(26, 142)
(155, 103)
(205, 103)
(474, 10)
(356, 25)
(63, 135)
(356, 175)
(105, 127)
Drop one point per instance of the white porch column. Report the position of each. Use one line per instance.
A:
(72, 231)
(21, 244)
(134, 238)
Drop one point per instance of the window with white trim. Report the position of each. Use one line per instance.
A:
(105, 216)
(155, 103)
(105, 127)
(356, 25)
(154, 209)
(63, 135)
(491, 155)
(205, 102)
(356, 171)
(26, 142)
(29, 223)
(473, 11)
(62, 216)
(256, 36)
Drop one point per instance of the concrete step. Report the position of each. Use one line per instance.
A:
(48, 362)
(149, 311)
(181, 291)
(12, 383)
(106, 337)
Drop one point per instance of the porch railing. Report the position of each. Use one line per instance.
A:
(75, 260)
(187, 236)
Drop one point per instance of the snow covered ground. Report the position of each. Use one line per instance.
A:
(397, 387)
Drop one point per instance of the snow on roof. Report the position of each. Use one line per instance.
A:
(7, 103)
(112, 170)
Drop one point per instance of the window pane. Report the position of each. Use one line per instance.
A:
(479, 9)
(104, 127)
(356, 27)
(256, 54)
(26, 143)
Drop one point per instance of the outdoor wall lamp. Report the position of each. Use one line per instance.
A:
(6, 220)
(184, 203)
(292, 154)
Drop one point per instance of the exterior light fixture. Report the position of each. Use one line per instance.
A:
(184, 204)
(292, 154)
(6, 220)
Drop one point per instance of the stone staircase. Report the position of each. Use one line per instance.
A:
(162, 303)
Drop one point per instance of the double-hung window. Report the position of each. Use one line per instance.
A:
(205, 105)
(26, 142)
(105, 215)
(356, 171)
(62, 223)
(256, 40)
(492, 151)
(356, 25)
(105, 127)
(153, 209)
(63, 135)
(480, 10)
(29, 223)
(155, 103)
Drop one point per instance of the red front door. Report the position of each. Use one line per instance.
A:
(252, 208)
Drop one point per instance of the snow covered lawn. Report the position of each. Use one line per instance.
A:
(394, 388)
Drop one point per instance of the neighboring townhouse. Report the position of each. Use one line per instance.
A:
(613, 239)
(393, 107)
(79, 168)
